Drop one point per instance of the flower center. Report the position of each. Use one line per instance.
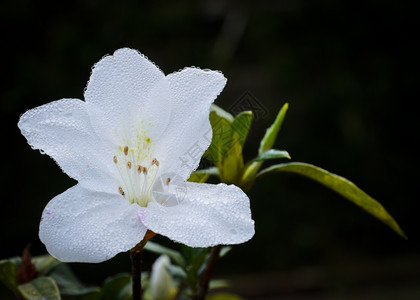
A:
(138, 174)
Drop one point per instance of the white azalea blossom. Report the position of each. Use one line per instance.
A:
(131, 145)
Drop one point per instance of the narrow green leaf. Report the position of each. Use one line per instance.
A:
(176, 271)
(342, 186)
(212, 171)
(271, 134)
(272, 154)
(198, 177)
(202, 175)
(174, 255)
(241, 125)
(8, 275)
(41, 288)
(117, 287)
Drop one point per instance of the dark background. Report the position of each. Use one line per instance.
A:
(349, 73)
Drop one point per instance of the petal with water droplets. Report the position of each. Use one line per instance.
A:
(189, 131)
(127, 93)
(80, 225)
(62, 130)
(206, 215)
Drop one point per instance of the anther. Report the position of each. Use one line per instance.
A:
(144, 170)
(121, 190)
(139, 168)
(115, 159)
(168, 180)
(126, 150)
(129, 164)
(155, 162)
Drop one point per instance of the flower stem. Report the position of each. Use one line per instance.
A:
(136, 274)
(136, 260)
(208, 272)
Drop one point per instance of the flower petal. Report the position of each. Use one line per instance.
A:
(123, 89)
(189, 132)
(207, 215)
(62, 130)
(80, 225)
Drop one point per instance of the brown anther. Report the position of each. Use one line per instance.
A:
(121, 190)
(155, 162)
(126, 150)
(129, 164)
(139, 168)
(115, 159)
(144, 170)
(168, 180)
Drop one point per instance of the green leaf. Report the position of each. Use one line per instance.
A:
(68, 283)
(41, 288)
(231, 168)
(176, 271)
(202, 175)
(45, 263)
(221, 138)
(342, 186)
(8, 275)
(272, 154)
(198, 177)
(221, 112)
(117, 287)
(196, 258)
(174, 255)
(15, 260)
(225, 150)
(241, 125)
(271, 134)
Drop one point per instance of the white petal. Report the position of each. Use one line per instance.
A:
(62, 130)
(207, 215)
(189, 132)
(85, 226)
(127, 91)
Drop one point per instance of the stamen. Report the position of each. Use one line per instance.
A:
(121, 190)
(136, 185)
(155, 162)
(168, 180)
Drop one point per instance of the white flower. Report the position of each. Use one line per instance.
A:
(131, 145)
